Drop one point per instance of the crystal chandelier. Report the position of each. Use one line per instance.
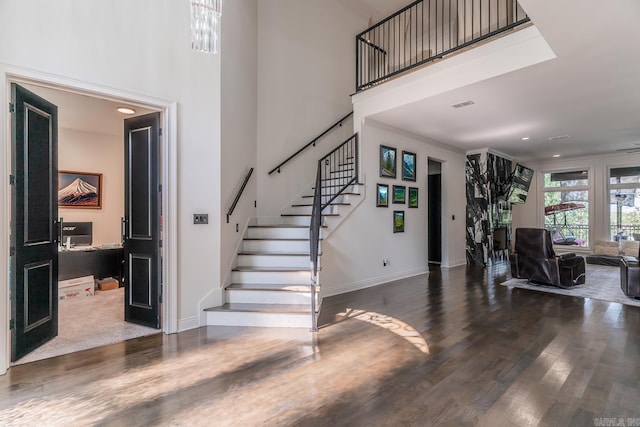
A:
(205, 25)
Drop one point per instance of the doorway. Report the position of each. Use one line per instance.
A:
(434, 211)
(111, 96)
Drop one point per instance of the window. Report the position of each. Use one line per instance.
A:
(624, 203)
(566, 206)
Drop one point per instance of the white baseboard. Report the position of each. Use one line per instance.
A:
(188, 323)
(328, 291)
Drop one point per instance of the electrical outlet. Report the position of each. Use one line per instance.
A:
(385, 262)
(201, 218)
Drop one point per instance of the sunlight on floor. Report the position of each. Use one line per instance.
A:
(389, 323)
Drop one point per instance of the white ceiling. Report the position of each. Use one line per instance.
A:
(590, 92)
(85, 113)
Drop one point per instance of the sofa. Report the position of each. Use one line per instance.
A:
(612, 253)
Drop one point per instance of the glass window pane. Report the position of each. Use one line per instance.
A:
(566, 179)
(567, 217)
(624, 213)
(625, 175)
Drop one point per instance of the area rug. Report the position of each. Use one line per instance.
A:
(88, 322)
(602, 283)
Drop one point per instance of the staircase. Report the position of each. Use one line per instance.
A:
(271, 284)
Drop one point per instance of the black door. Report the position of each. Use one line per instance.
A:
(435, 218)
(141, 222)
(34, 228)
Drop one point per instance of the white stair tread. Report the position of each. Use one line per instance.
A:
(276, 238)
(305, 205)
(270, 287)
(275, 253)
(302, 214)
(264, 308)
(272, 269)
(278, 226)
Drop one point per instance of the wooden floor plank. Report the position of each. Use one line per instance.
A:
(449, 348)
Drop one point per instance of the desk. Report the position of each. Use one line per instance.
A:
(99, 263)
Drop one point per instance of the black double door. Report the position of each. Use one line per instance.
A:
(34, 215)
(35, 226)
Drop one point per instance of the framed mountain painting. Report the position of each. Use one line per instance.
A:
(408, 166)
(387, 162)
(79, 190)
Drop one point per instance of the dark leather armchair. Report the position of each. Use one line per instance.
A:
(535, 260)
(630, 279)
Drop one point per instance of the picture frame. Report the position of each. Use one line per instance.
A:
(408, 166)
(387, 162)
(79, 190)
(413, 197)
(382, 196)
(399, 194)
(398, 221)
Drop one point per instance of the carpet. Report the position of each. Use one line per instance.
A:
(89, 322)
(602, 283)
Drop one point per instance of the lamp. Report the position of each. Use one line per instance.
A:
(205, 25)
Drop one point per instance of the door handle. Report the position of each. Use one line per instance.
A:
(58, 223)
(123, 228)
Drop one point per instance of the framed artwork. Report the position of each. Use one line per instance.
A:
(399, 193)
(387, 162)
(398, 221)
(382, 198)
(413, 197)
(79, 190)
(408, 166)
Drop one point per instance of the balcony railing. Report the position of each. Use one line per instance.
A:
(427, 30)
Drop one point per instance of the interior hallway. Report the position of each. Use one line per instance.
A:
(451, 348)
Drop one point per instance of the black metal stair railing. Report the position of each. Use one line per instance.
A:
(426, 30)
(336, 172)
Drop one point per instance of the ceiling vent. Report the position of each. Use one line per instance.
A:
(559, 137)
(463, 104)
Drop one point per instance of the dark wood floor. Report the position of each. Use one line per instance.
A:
(450, 348)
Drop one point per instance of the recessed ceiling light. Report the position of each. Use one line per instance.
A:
(525, 138)
(126, 110)
(556, 155)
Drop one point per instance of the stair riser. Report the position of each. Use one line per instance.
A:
(333, 190)
(277, 233)
(307, 210)
(337, 179)
(299, 220)
(271, 277)
(274, 320)
(268, 297)
(274, 261)
(275, 245)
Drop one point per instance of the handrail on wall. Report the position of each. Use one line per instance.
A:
(235, 202)
(313, 142)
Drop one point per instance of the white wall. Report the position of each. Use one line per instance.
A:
(143, 47)
(306, 72)
(96, 153)
(239, 64)
(352, 254)
(531, 213)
